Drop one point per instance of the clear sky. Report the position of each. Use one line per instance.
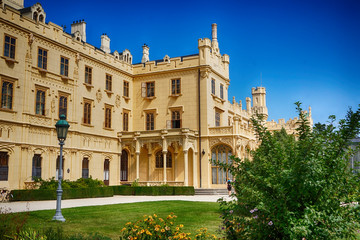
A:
(305, 50)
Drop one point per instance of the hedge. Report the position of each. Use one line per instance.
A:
(73, 193)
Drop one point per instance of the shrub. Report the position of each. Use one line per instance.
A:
(29, 234)
(11, 223)
(293, 187)
(66, 184)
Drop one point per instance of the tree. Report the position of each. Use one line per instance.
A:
(296, 187)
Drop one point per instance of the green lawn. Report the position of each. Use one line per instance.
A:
(109, 220)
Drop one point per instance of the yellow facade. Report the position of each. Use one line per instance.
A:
(158, 122)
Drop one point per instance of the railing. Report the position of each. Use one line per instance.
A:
(228, 130)
(159, 183)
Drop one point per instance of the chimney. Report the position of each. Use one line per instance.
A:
(214, 43)
(145, 57)
(79, 26)
(105, 43)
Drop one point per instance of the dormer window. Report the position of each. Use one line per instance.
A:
(35, 16)
(41, 18)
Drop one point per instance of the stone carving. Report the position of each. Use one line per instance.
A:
(220, 131)
(77, 58)
(98, 95)
(205, 74)
(53, 105)
(40, 120)
(30, 39)
(226, 140)
(117, 101)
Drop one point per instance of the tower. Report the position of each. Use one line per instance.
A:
(259, 101)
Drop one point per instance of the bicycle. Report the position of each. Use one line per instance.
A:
(5, 195)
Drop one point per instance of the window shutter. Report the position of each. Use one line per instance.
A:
(143, 89)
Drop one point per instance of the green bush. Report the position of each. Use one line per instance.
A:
(153, 190)
(296, 188)
(66, 184)
(123, 190)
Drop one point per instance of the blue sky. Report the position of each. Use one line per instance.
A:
(307, 51)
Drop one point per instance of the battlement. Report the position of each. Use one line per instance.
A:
(204, 42)
(258, 90)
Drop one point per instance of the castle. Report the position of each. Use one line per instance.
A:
(157, 122)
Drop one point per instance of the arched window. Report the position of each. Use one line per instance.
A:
(58, 167)
(220, 153)
(85, 168)
(106, 171)
(160, 160)
(36, 167)
(4, 166)
(35, 16)
(41, 18)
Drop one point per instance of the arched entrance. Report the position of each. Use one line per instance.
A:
(220, 153)
(124, 166)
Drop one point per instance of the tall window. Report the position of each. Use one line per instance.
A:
(175, 86)
(126, 89)
(63, 105)
(150, 89)
(125, 121)
(6, 95)
(217, 118)
(36, 166)
(159, 163)
(88, 75)
(106, 171)
(221, 91)
(107, 116)
(213, 86)
(40, 102)
(9, 46)
(220, 153)
(87, 112)
(108, 82)
(58, 167)
(124, 166)
(150, 124)
(64, 66)
(175, 119)
(85, 168)
(42, 58)
(4, 166)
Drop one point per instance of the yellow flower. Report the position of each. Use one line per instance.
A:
(171, 223)
(181, 225)
(142, 230)
(177, 228)
(167, 228)
(162, 230)
(156, 229)
(155, 215)
(128, 223)
(148, 233)
(161, 220)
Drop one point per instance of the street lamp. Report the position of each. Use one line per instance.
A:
(62, 127)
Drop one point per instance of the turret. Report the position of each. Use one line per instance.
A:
(259, 101)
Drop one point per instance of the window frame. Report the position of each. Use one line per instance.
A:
(7, 95)
(4, 166)
(126, 88)
(61, 111)
(86, 172)
(11, 50)
(108, 117)
(174, 121)
(36, 168)
(149, 122)
(87, 111)
(43, 63)
(159, 160)
(40, 102)
(126, 121)
(150, 89)
(175, 86)
(88, 75)
(64, 65)
(225, 174)
(108, 82)
(213, 86)
(221, 91)
(217, 118)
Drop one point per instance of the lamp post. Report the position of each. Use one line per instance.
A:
(62, 127)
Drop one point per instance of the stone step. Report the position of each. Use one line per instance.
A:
(210, 191)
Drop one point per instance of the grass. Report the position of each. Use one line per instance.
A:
(108, 220)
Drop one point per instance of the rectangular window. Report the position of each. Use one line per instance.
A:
(9, 46)
(4, 166)
(40, 102)
(85, 168)
(125, 121)
(42, 58)
(107, 116)
(217, 118)
(221, 91)
(87, 112)
(150, 89)
(7, 95)
(175, 119)
(150, 124)
(212, 86)
(36, 167)
(175, 86)
(88, 75)
(126, 89)
(64, 66)
(108, 82)
(63, 105)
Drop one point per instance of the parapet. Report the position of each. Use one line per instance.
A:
(204, 42)
(258, 90)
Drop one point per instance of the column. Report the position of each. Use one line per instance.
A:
(195, 177)
(149, 164)
(119, 168)
(186, 168)
(137, 165)
(164, 158)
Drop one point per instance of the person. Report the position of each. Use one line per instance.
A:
(229, 187)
